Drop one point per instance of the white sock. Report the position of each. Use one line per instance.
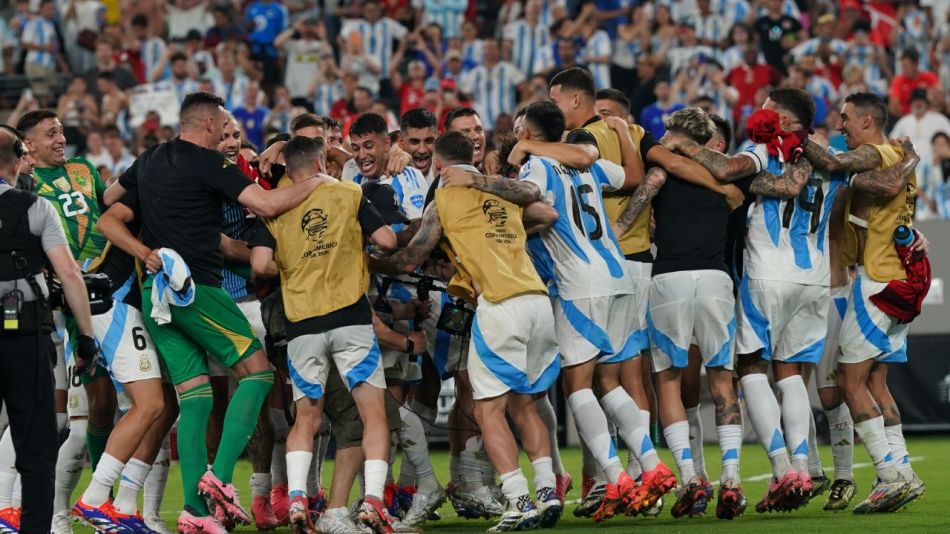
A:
(156, 481)
(795, 415)
(633, 466)
(407, 472)
(17, 495)
(696, 441)
(895, 438)
(8, 471)
(375, 475)
(592, 426)
(730, 443)
(455, 469)
(415, 450)
(133, 478)
(633, 430)
(107, 472)
(875, 440)
(814, 459)
(546, 411)
(69, 465)
(842, 440)
(515, 487)
(320, 446)
(487, 468)
(278, 465)
(260, 485)
(313, 472)
(766, 419)
(298, 468)
(471, 465)
(677, 439)
(544, 473)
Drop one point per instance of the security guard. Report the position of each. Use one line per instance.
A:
(31, 235)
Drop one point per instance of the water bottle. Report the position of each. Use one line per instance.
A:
(903, 238)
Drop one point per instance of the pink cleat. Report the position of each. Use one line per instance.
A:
(280, 504)
(563, 485)
(191, 524)
(779, 491)
(225, 495)
(264, 518)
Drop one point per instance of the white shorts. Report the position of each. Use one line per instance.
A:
(252, 311)
(60, 337)
(395, 364)
(77, 405)
(449, 352)
(353, 349)
(826, 375)
(513, 347)
(692, 307)
(127, 349)
(599, 327)
(786, 320)
(867, 332)
(641, 273)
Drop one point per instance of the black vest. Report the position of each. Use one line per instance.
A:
(21, 253)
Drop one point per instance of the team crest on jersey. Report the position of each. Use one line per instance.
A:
(144, 365)
(314, 224)
(418, 200)
(496, 213)
(74, 401)
(61, 183)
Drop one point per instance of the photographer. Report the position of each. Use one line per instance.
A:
(31, 234)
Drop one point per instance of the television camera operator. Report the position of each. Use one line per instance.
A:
(31, 237)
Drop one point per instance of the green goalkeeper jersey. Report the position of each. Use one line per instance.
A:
(75, 190)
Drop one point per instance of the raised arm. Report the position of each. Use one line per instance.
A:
(787, 185)
(578, 156)
(641, 198)
(887, 183)
(407, 259)
(519, 192)
(694, 173)
(863, 158)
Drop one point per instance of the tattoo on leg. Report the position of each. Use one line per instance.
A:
(860, 417)
(892, 416)
(727, 412)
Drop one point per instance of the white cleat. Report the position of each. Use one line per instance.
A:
(62, 523)
(339, 521)
(423, 505)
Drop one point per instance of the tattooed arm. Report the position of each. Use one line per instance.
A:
(642, 196)
(517, 192)
(424, 241)
(723, 168)
(863, 158)
(886, 183)
(789, 184)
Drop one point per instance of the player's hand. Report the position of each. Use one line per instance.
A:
(397, 160)
(921, 244)
(153, 262)
(734, 196)
(819, 139)
(673, 141)
(86, 353)
(423, 307)
(616, 123)
(518, 154)
(490, 163)
(457, 177)
(270, 156)
(418, 341)
(904, 143)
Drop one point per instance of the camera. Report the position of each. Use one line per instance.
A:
(98, 287)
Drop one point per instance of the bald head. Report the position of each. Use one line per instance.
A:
(10, 152)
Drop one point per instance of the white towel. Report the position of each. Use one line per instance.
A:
(173, 286)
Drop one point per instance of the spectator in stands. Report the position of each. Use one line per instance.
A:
(326, 94)
(933, 191)
(738, 41)
(921, 124)
(493, 85)
(710, 28)
(231, 83)
(663, 32)
(95, 150)
(689, 51)
(150, 50)
(377, 34)
(747, 78)
(653, 118)
(357, 60)
(115, 102)
(42, 45)
(644, 91)
(78, 111)
(200, 61)
(632, 39)
(473, 48)
(307, 51)
(181, 80)
(910, 78)
(252, 115)
(224, 29)
(597, 51)
(528, 36)
(411, 90)
(267, 19)
(824, 30)
(80, 22)
(184, 15)
(282, 112)
(106, 50)
(778, 33)
(120, 157)
(453, 69)
(448, 14)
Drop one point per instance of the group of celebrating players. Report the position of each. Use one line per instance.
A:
(539, 254)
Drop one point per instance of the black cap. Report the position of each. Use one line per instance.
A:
(919, 94)
(383, 198)
(193, 35)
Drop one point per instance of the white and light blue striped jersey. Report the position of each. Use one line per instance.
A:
(473, 54)
(821, 87)
(711, 28)
(599, 45)
(181, 87)
(410, 187)
(731, 11)
(40, 32)
(232, 92)
(810, 48)
(546, 17)
(326, 95)
(789, 7)
(494, 90)
(787, 239)
(526, 40)
(580, 254)
(377, 38)
(449, 14)
(151, 53)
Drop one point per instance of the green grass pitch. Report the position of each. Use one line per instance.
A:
(930, 514)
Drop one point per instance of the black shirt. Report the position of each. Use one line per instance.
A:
(178, 187)
(357, 313)
(771, 32)
(736, 230)
(690, 227)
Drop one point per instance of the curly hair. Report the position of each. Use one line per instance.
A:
(692, 122)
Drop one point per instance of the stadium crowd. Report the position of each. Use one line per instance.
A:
(367, 198)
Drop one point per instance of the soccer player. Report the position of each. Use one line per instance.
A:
(594, 299)
(871, 339)
(419, 129)
(188, 178)
(467, 121)
(513, 353)
(313, 246)
(691, 303)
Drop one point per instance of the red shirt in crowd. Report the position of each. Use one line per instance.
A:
(747, 80)
(902, 86)
(410, 96)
